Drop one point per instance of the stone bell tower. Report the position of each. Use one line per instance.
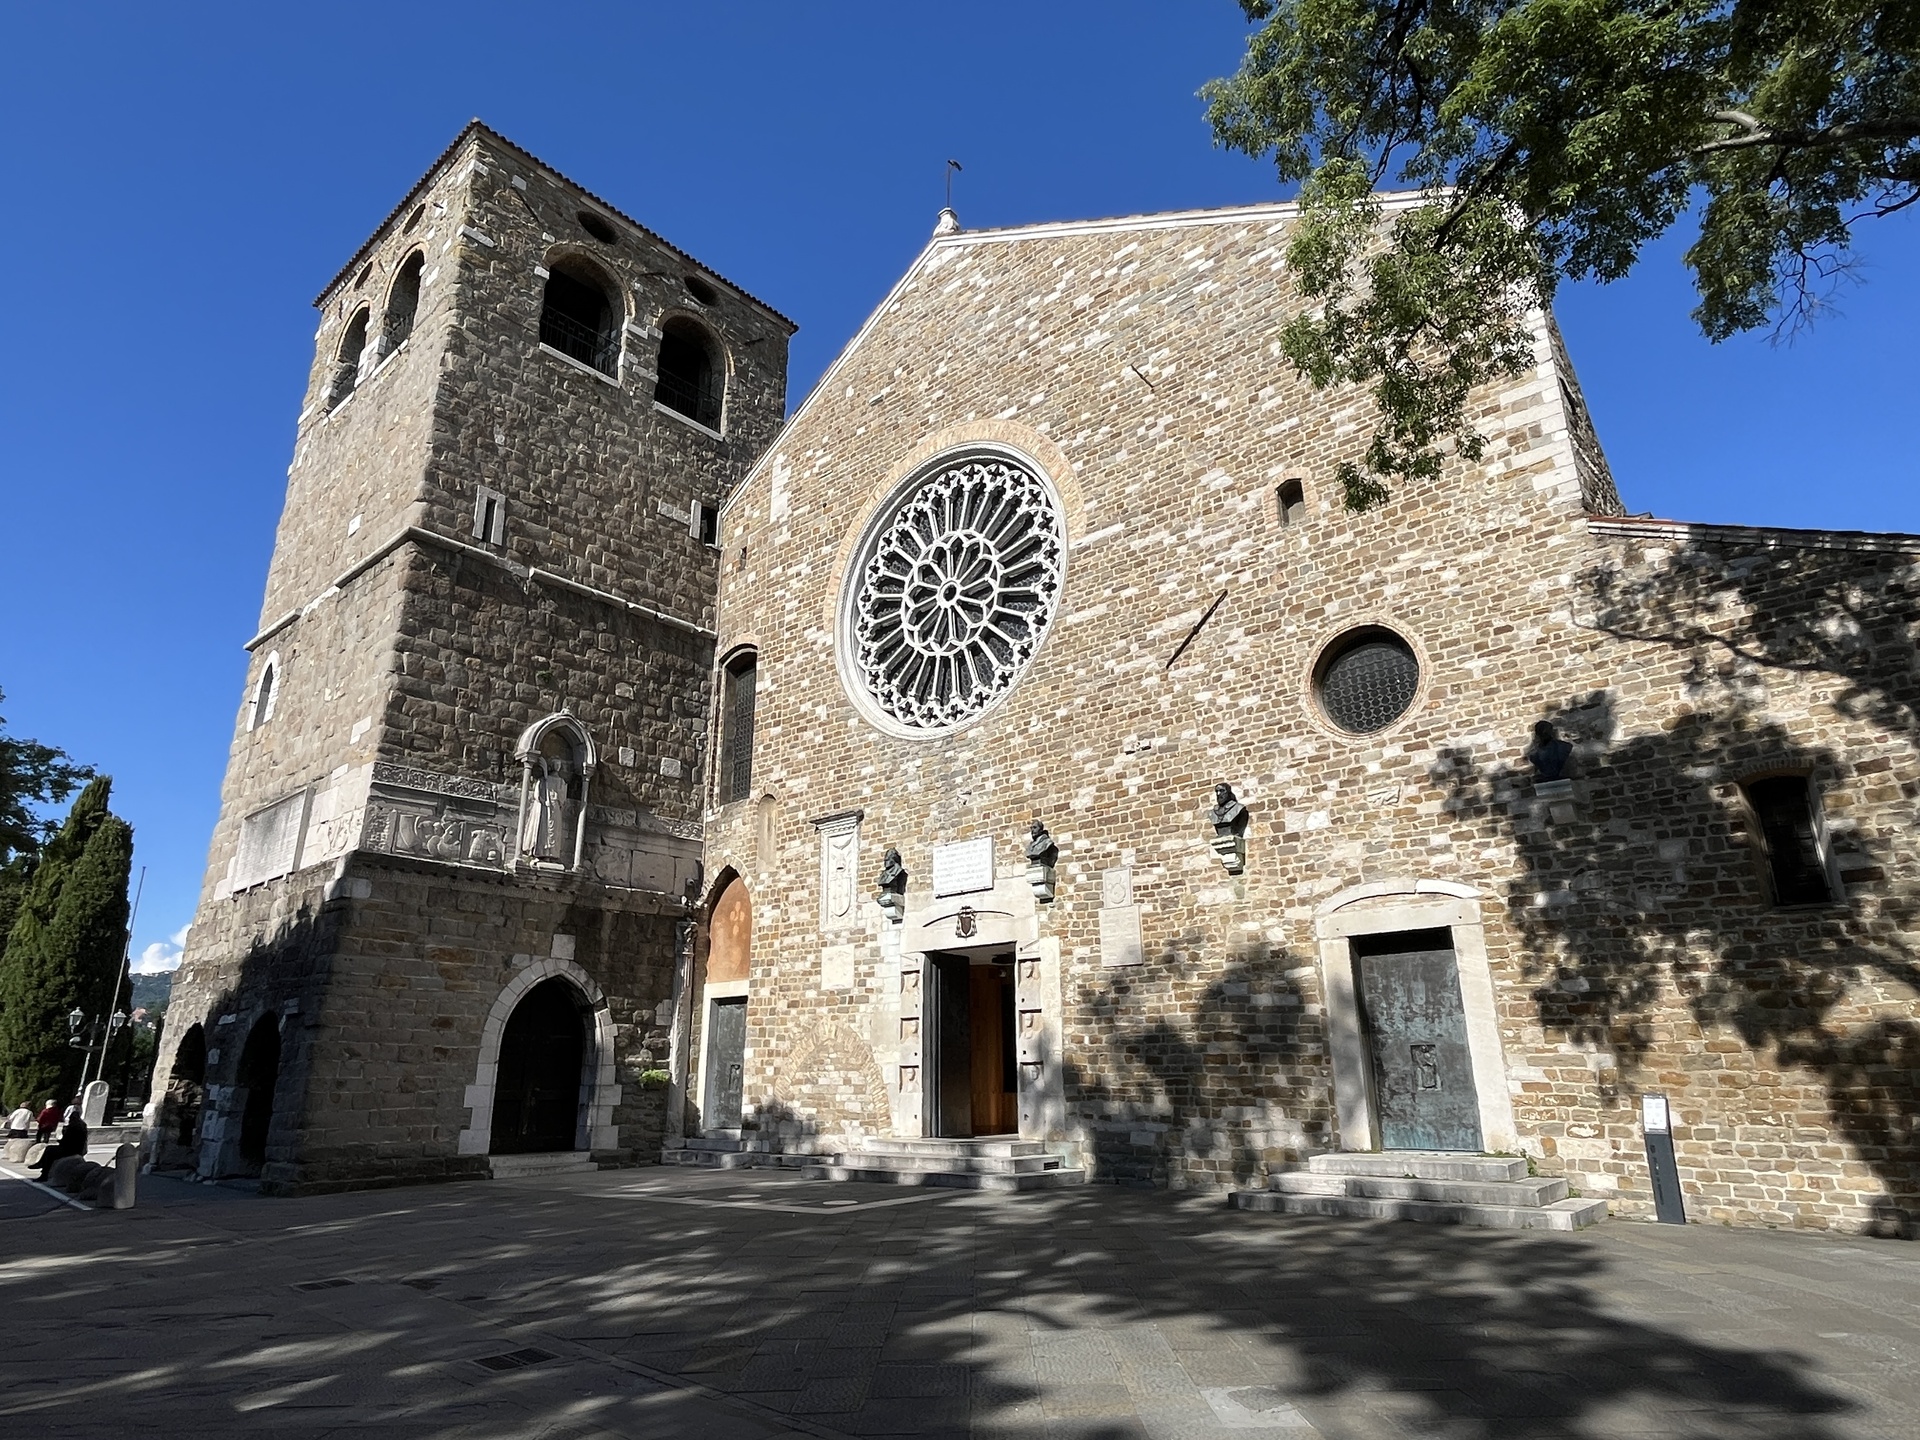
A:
(459, 833)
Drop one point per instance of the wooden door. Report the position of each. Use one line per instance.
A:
(996, 1109)
(948, 1065)
(1422, 1070)
(726, 1061)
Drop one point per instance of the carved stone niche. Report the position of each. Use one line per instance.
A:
(557, 760)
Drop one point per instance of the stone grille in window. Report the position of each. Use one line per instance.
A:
(1369, 682)
(955, 592)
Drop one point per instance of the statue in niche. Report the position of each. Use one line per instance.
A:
(1548, 754)
(549, 827)
(1228, 816)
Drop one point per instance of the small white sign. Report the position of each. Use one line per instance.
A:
(963, 867)
(836, 967)
(1654, 1117)
(1120, 935)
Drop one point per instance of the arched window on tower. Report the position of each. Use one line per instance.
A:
(689, 382)
(403, 302)
(346, 360)
(577, 319)
(265, 693)
(737, 686)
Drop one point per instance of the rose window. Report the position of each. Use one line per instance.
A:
(955, 592)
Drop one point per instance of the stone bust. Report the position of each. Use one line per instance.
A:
(893, 873)
(1227, 813)
(1548, 754)
(1040, 847)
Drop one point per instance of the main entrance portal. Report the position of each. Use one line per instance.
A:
(536, 1105)
(969, 1056)
(1417, 1029)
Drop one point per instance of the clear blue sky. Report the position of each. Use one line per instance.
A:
(182, 179)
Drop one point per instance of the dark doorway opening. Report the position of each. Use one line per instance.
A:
(260, 1074)
(1417, 1031)
(537, 1093)
(969, 1058)
(726, 1063)
(186, 1089)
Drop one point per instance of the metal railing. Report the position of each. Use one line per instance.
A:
(585, 343)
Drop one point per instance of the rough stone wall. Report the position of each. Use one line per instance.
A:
(1139, 366)
(1650, 953)
(412, 665)
(422, 957)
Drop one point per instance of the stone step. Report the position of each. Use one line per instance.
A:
(1001, 1145)
(1422, 1165)
(1537, 1192)
(1560, 1215)
(969, 1164)
(953, 1179)
(555, 1162)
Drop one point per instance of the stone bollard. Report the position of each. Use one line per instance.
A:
(17, 1148)
(93, 1106)
(126, 1177)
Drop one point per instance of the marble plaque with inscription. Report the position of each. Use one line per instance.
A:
(1120, 935)
(963, 867)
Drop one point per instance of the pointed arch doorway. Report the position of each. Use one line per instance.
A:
(723, 1009)
(542, 1081)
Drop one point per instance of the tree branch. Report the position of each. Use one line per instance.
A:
(1846, 133)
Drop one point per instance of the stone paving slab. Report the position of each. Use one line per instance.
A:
(670, 1303)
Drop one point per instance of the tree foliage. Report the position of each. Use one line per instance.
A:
(30, 774)
(1553, 139)
(66, 949)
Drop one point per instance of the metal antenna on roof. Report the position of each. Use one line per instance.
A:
(952, 165)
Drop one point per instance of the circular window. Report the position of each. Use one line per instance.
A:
(1367, 680)
(953, 591)
(597, 228)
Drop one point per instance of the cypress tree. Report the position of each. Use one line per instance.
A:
(66, 950)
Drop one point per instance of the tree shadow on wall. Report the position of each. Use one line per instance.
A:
(1228, 1084)
(1646, 892)
(285, 960)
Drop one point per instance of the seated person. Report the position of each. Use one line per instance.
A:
(72, 1141)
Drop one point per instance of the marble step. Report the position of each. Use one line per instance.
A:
(1560, 1215)
(1421, 1165)
(1536, 1192)
(851, 1167)
(969, 1164)
(994, 1145)
(555, 1162)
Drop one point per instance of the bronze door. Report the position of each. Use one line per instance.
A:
(726, 1064)
(1422, 1070)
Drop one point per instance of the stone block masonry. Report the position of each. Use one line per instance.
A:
(1625, 938)
(481, 531)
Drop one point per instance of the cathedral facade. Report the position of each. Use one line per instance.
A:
(1023, 742)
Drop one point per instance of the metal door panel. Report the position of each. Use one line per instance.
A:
(1417, 1027)
(726, 1060)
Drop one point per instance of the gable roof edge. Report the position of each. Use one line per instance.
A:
(832, 370)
